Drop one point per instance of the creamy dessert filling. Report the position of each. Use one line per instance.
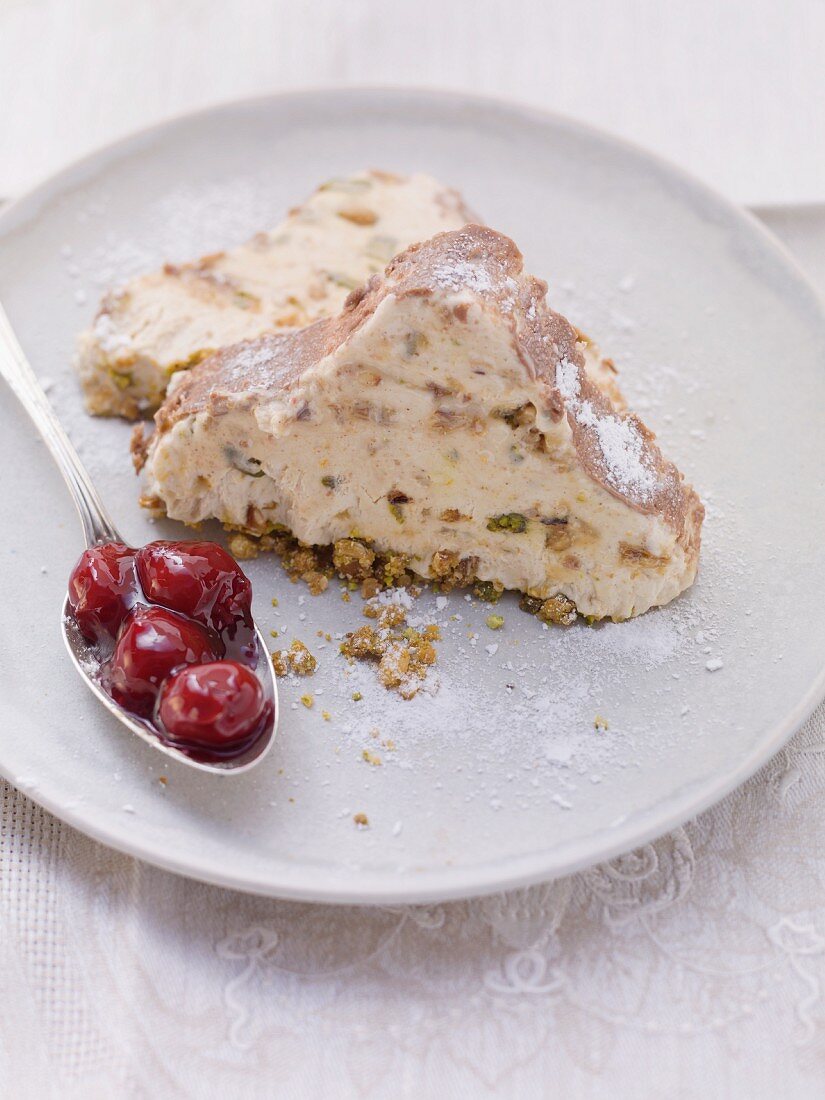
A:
(446, 414)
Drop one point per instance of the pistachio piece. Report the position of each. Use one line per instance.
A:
(489, 591)
(514, 522)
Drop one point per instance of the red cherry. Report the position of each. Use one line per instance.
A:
(198, 579)
(152, 644)
(103, 589)
(213, 706)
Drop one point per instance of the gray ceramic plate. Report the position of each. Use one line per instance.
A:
(499, 778)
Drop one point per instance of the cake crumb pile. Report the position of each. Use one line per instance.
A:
(404, 654)
(297, 659)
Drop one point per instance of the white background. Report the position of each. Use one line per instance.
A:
(732, 89)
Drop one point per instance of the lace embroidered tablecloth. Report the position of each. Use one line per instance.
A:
(693, 967)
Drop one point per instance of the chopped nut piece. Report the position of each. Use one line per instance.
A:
(518, 417)
(391, 616)
(358, 215)
(558, 536)
(530, 604)
(558, 610)
(404, 653)
(297, 659)
(394, 666)
(139, 447)
(154, 505)
(641, 556)
(489, 591)
(315, 582)
(352, 559)
(451, 570)
(363, 642)
(369, 588)
(361, 820)
(393, 569)
(452, 420)
(301, 562)
(513, 522)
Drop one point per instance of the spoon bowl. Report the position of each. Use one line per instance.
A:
(87, 664)
(98, 528)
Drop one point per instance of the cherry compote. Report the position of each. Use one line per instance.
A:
(103, 590)
(198, 579)
(172, 625)
(212, 706)
(153, 642)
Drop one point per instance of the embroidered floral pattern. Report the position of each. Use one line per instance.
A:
(709, 941)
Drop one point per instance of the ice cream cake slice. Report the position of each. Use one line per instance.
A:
(445, 415)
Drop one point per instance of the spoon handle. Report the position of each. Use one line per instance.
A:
(14, 367)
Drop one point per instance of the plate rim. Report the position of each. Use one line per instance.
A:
(446, 882)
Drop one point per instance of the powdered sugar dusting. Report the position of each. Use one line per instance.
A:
(109, 337)
(541, 713)
(620, 442)
(481, 278)
(462, 275)
(250, 357)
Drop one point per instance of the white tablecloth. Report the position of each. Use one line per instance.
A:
(694, 967)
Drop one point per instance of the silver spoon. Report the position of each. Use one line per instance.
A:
(98, 528)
